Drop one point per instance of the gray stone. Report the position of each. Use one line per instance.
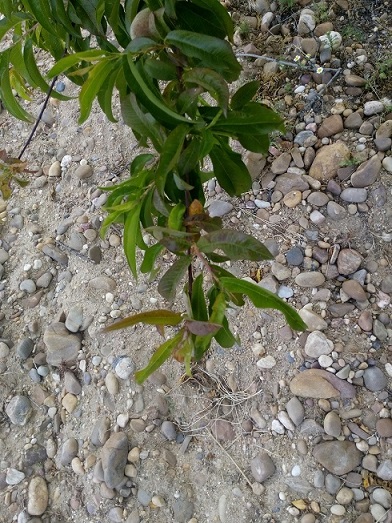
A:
(374, 379)
(354, 290)
(24, 348)
(338, 457)
(383, 497)
(95, 254)
(307, 22)
(318, 198)
(354, 195)
(44, 280)
(102, 283)
(28, 286)
(114, 458)
(353, 121)
(318, 344)
(38, 496)
(19, 410)
(310, 279)
(219, 208)
(168, 429)
(74, 318)
(332, 424)
(354, 80)
(223, 430)
(367, 172)
(384, 144)
(269, 283)
(281, 163)
(386, 284)
(69, 451)
(295, 410)
(255, 162)
(301, 137)
(14, 476)
(387, 164)
(373, 107)
(62, 347)
(124, 368)
(384, 470)
(183, 510)
(262, 467)
(53, 252)
(336, 211)
(294, 256)
(3, 256)
(348, 261)
(83, 172)
(281, 272)
(101, 431)
(71, 384)
(332, 484)
(313, 321)
(144, 497)
(286, 183)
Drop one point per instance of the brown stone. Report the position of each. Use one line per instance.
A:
(365, 321)
(353, 80)
(322, 29)
(367, 172)
(292, 199)
(353, 121)
(348, 261)
(328, 160)
(339, 457)
(330, 126)
(281, 163)
(354, 290)
(384, 427)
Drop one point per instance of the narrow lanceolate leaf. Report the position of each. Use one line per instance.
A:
(198, 301)
(244, 95)
(67, 62)
(8, 100)
(170, 154)
(97, 77)
(157, 317)
(230, 171)
(170, 280)
(212, 82)
(150, 256)
(176, 217)
(209, 51)
(159, 357)
(202, 343)
(105, 95)
(224, 336)
(235, 244)
(264, 299)
(253, 118)
(141, 44)
(131, 230)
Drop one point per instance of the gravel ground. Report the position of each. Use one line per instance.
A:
(286, 427)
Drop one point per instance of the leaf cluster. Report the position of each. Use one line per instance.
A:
(172, 65)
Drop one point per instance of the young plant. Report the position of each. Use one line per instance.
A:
(163, 57)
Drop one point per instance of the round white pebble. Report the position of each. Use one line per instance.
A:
(296, 471)
(338, 510)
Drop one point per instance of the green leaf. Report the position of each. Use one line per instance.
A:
(92, 55)
(140, 162)
(105, 95)
(224, 336)
(40, 9)
(150, 256)
(159, 357)
(198, 301)
(170, 154)
(170, 280)
(151, 100)
(7, 98)
(253, 118)
(230, 171)
(161, 70)
(193, 17)
(255, 143)
(264, 299)
(220, 12)
(176, 217)
(212, 82)
(202, 328)
(131, 230)
(175, 245)
(244, 95)
(220, 272)
(141, 44)
(6, 24)
(63, 18)
(209, 51)
(235, 244)
(157, 317)
(98, 76)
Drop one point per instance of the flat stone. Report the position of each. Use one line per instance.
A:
(353, 121)
(270, 283)
(384, 427)
(339, 457)
(19, 410)
(332, 424)
(281, 163)
(102, 283)
(100, 433)
(334, 188)
(124, 368)
(383, 145)
(353, 80)
(74, 318)
(223, 430)
(14, 476)
(84, 171)
(44, 280)
(262, 467)
(354, 195)
(280, 271)
(219, 208)
(385, 130)
(348, 261)
(24, 348)
(71, 384)
(310, 279)
(168, 429)
(37, 496)
(382, 497)
(317, 383)
(62, 347)
(373, 107)
(114, 458)
(374, 379)
(318, 198)
(255, 162)
(69, 450)
(53, 252)
(365, 321)
(294, 256)
(310, 46)
(367, 172)
(330, 126)
(336, 211)
(295, 410)
(318, 344)
(387, 164)
(339, 310)
(313, 321)
(292, 199)
(290, 182)
(328, 160)
(354, 290)
(306, 22)
(183, 510)
(69, 402)
(54, 170)
(384, 470)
